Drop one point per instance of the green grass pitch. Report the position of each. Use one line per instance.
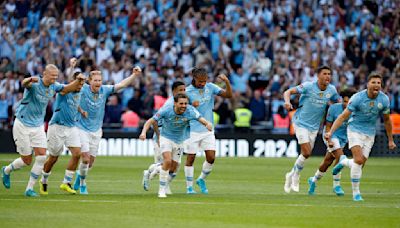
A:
(244, 192)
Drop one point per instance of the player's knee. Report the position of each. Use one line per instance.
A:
(27, 160)
(305, 151)
(210, 156)
(76, 155)
(359, 160)
(167, 163)
(85, 158)
(190, 159)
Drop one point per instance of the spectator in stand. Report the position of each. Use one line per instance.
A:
(130, 120)
(3, 111)
(113, 111)
(281, 121)
(257, 107)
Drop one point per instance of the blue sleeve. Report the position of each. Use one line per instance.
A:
(386, 105)
(58, 87)
(330, 115)
(33, 86)
(353, 103)
(108, 90)
(194, 114)
(159, 115)
(304, 87)
(335, 97)
(215, 89)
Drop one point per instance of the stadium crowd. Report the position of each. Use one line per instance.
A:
(264, 47)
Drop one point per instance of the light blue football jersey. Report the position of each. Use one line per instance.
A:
(205, 96)
(168, 102)
(333, 113)
(176, 127)
(312, 104)
(94, 104)
(32, 108)
(365, 112)
(66, 109)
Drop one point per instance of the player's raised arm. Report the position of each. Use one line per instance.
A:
(228, 92)
(74, 85)
(72, 64)
(286, 97)
(146, 127)
(27, 82)
(136, 72)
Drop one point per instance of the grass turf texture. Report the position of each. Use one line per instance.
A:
(244, 192)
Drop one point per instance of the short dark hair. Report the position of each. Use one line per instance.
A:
(176, 84)
(76, 75)
(347, 92)
(375, 75)
(197, 72)
(324, 67)
(180, 95)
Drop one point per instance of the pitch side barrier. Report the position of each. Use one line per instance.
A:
(119, 143)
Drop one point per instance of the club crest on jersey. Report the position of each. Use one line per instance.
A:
(380, 106)
(371, 104)
(328, 95)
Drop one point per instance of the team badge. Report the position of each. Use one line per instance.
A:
(371, 104)
(328, 95)
(380, 106)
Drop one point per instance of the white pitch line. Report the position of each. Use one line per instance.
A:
(357, 205)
